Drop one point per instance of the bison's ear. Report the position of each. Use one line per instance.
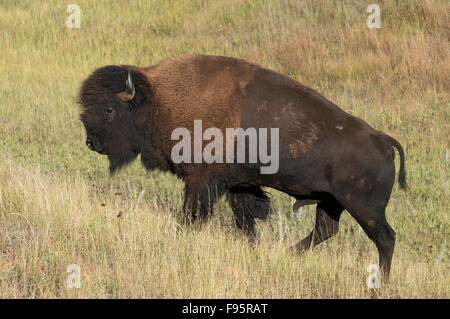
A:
(130, 91)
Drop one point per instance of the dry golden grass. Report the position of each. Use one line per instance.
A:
(59, 207)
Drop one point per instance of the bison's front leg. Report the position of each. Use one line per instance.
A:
(199, 199)
(247, 203)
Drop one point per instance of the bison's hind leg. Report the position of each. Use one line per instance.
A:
(373, 222)
(368, 207)
(248, 203)
(328, 213)
(304, 202)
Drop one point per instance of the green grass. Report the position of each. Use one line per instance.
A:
(52, 188)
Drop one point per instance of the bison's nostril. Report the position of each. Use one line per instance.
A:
(90, 144)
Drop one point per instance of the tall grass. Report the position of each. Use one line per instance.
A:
(59, 207)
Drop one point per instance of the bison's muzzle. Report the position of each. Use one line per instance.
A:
(94, 145)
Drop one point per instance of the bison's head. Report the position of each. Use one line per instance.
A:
(112, 98)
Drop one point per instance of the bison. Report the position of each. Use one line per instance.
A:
(326, 156)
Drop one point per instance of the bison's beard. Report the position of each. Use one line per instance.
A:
(117, 161)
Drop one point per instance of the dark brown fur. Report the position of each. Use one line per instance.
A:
(327, 156)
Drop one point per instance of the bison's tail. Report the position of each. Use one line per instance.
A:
(402, 173)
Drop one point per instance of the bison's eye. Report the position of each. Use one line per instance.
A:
(110, 114)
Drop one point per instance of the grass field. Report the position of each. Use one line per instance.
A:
(58, 205)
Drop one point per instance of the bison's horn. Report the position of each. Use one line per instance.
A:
(130, 85)
(129, 92)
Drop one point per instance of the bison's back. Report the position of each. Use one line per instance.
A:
(194, 87)
(317, 138)
(226, 92)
